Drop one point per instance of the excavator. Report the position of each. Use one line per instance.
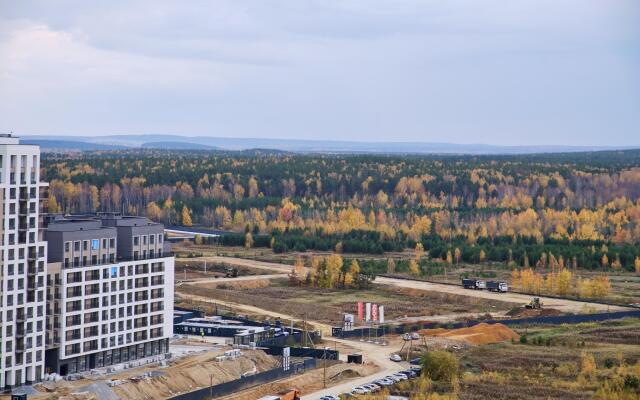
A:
(535, 304)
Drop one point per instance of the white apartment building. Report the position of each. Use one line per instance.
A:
(110, 291)
(23, 255)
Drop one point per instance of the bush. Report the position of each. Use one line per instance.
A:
(440, 366)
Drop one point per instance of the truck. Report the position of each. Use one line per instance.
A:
(291, 394)
(231, 272)
(473, 283)
(495, 286)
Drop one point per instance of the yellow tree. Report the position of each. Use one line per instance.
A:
(482, 256)
(414, 269)
(186, 216)
(354, 270)
(616, 264)
(391, 266)
(248, 240)
(636, 263)
(154, 212)
(458, 254)
(563, 282)
(53, 205)
(605, 260)
(419, 251)
(449, 257)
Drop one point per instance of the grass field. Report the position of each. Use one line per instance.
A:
(328, 306)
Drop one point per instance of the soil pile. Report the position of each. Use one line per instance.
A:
(478, 334)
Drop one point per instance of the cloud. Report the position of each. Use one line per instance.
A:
(523, 71)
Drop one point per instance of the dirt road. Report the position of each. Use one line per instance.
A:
(230, 280)
(559, 304)
(268, 266)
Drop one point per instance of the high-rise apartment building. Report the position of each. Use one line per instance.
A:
(23, 255)
(110, 291)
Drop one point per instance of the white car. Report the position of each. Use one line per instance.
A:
(373, 387)
(360, 390)
(384, 382)
(415, 336)
(393, 378)
(395, 357)
(401, 376)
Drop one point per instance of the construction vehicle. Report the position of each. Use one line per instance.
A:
(231, 272)
(500, 287)
(291, 394)
(474, 284)
(535, 304)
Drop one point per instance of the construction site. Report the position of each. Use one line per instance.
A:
(242, 332)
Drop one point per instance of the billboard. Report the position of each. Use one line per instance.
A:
(348, 322)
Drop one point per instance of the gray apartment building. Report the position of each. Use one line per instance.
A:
(23, 255)
(109, 291)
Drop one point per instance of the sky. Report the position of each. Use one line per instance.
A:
(516, 72)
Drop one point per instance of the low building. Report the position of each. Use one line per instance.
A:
(110, 291)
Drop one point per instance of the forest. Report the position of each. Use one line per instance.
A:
(580, 208)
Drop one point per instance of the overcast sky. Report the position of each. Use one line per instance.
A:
(473, 71)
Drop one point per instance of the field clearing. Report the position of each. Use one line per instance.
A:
(327, 306)
(549, 367)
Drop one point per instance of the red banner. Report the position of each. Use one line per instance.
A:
(359, 311)
(374, 312)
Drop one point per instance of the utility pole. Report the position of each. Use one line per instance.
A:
(211, 387)
(205, 267)
(185, 273)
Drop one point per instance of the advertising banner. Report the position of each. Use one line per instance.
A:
(368, 312)
(381, 314)
(374, 312)
(359, 311)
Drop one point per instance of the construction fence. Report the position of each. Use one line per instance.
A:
(237, 385)
(370, 333)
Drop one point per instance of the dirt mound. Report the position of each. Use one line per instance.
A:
(522, 312)
(478, 334)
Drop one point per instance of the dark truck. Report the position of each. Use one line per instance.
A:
(495, 286)
(473, 283)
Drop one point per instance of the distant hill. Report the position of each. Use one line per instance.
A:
(70, 145)
(150, 141)
(177, 146)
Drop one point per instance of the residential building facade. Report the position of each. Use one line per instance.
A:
(110, 291)
(23, 255)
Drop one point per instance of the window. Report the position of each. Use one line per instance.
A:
(95, 244)
(114, 272)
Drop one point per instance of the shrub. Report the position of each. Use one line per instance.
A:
(440, 366)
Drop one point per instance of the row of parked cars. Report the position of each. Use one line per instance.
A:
(378, 384)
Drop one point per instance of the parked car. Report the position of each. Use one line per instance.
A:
(406, 336)
(360, 390)
(400, 375)
(384, 382)
(416, 361)
(372, 387)
(330, 397)
(415, 336)
(395, 357)
(409, 373)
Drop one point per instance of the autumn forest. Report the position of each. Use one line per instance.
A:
(579, 209)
